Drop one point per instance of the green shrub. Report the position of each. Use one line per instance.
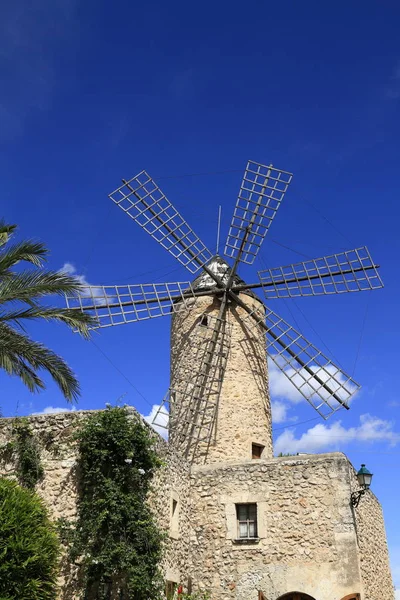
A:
(29, 548)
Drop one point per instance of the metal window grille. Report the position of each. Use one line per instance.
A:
(247, 520)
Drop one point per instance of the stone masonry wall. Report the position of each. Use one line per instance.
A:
(244, 411)
(59, 487)
(310, 538)
(307, 541)
(374, 555)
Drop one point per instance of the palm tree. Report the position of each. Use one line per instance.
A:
(20, 301)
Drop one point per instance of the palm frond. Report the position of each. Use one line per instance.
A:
(28, 285)
(73, 318)
(6, 232)
(15, 346)
(15, 366)
(29, 251)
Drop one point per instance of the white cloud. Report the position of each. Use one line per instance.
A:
(335, 436)
(296, 378)
(93, 294)
(161, 421)
(279, 411)
(70, 269)
(283, 390)
(50, 410)
(280, 386)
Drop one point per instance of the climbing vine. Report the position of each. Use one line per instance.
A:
(29, 467)
(115, 539)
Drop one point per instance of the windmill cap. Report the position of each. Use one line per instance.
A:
(222, 269)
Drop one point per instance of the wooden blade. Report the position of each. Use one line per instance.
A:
(350, 271)
(322, 383)
(119, 304)
(261, 193)
(145, 203)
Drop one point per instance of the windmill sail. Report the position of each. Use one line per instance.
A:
(322, 383)
(261, 193)
(191, 404)
(350, 271)
(145, 203)
(118, 304)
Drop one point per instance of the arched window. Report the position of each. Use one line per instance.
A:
(295, 596)
(352, 597)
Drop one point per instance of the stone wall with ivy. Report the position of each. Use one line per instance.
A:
(53, 439)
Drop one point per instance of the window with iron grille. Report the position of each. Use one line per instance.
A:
(246, 520)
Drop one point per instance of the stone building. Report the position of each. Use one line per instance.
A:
(242, 524)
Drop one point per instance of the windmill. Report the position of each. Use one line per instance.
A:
(224, 304)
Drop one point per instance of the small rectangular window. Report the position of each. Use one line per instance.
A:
(247, 521)
(203, 321)
(256, 450)
(170, 587)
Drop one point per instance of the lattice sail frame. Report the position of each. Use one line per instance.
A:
(303, 364)
(118, 304)
(261, 193)
(145, 203)
(349, 271)
(195, 403)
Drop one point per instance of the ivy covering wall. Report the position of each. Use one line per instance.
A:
(115, 540)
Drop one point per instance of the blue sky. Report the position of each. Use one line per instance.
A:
(94, 92)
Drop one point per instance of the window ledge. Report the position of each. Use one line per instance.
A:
(246, 541)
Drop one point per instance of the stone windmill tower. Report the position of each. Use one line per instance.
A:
(280, 528)
(218, 403)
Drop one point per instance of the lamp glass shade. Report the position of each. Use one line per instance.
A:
(364, 477)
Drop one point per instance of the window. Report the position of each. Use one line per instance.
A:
(170, 587)
(174, 515)
(256, 450)
(203, 321)
(246, 520)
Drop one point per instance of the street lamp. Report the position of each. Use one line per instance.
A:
(364, 479)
